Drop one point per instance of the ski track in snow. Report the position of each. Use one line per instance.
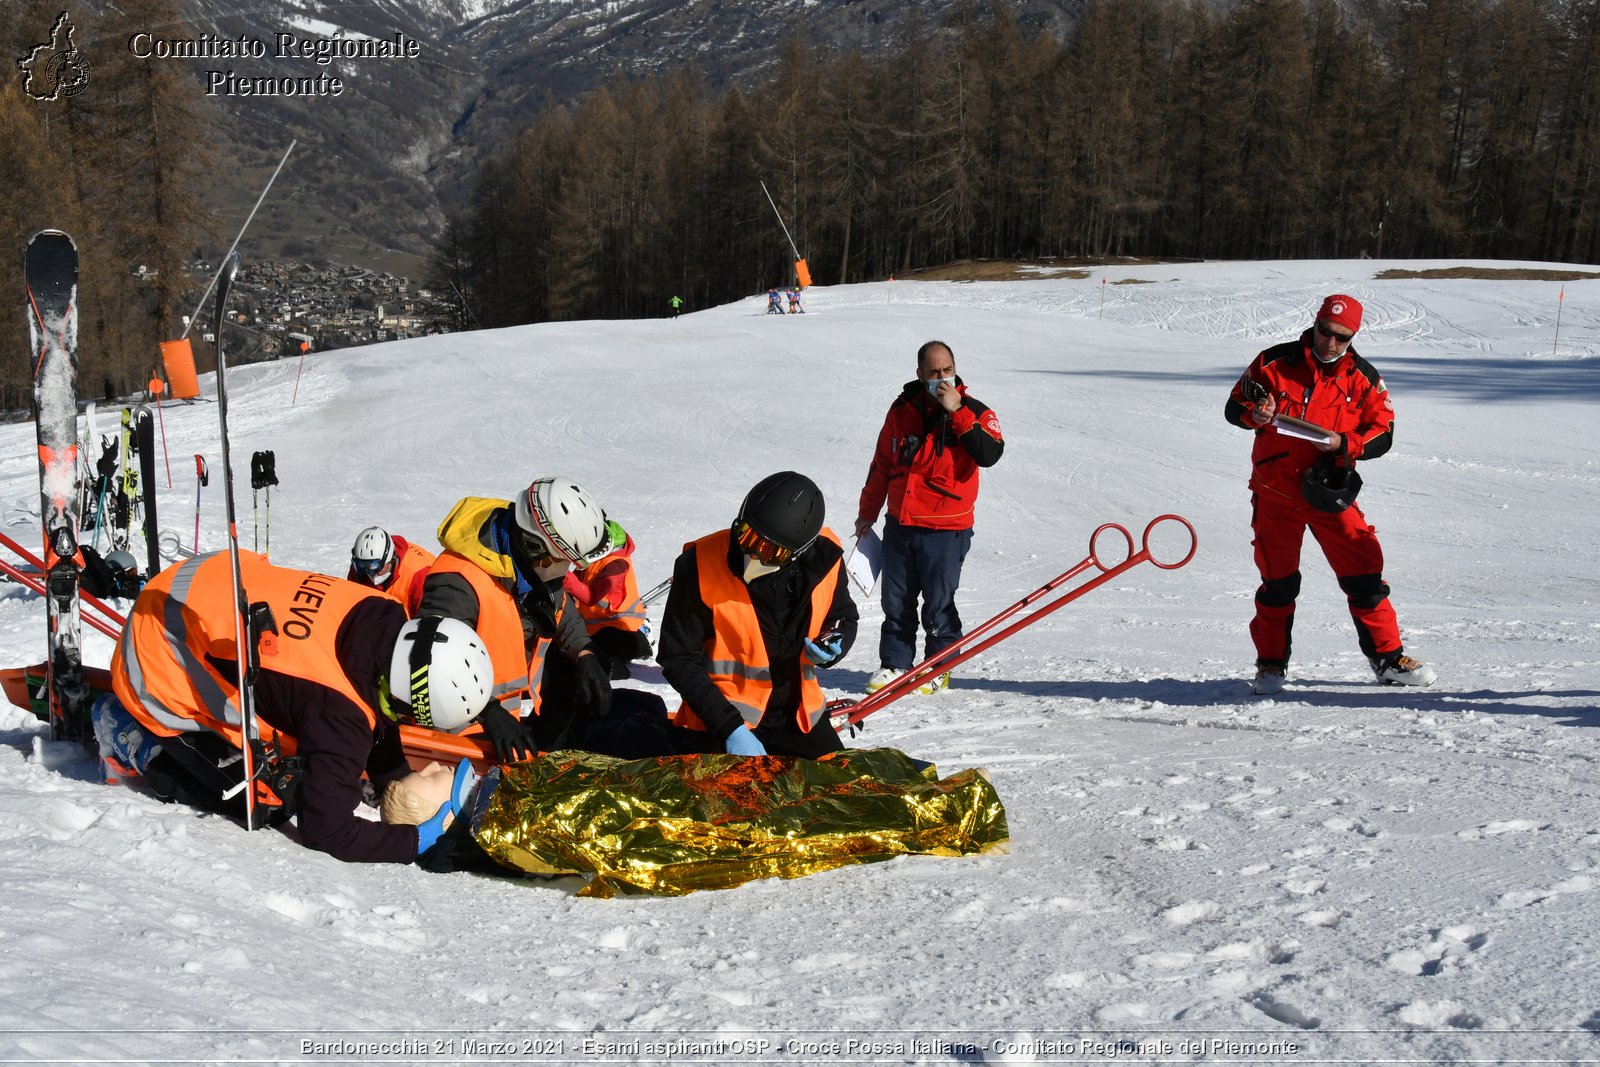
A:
(1374, 873)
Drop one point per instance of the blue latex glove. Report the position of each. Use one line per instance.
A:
(744, 742)
(824, 650)
(428, 833)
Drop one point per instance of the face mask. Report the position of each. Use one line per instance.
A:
(934, 383)
(754, 568)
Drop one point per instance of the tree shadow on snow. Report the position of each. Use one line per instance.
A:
(1485, 378)
(1444, 701)
(1322, 693)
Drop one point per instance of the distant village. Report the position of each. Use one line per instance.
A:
(286, 308)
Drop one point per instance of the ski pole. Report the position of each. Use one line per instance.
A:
(202, 479)
(263, 475)
(852, 712)
(106, 467)
(242, 635)
(99, 516)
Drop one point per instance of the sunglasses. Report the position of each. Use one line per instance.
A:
(533, 545)
(763, 548)
(1334, 336)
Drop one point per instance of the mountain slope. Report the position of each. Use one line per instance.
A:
(381, 163)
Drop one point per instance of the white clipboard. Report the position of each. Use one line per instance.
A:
(865, 562)
(1290, 426)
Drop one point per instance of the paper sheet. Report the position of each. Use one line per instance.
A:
(1290, 426)
(865, 562)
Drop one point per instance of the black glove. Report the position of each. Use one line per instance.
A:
(511, 739)
(263, 470)
(107, 467)
(594, 686)
(539, 609)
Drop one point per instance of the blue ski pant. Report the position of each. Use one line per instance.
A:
(926, 564)
(125, 744)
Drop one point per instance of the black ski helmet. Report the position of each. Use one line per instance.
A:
(785, 508)
(1330, 487)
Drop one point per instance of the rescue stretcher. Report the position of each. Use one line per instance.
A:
(847, 714)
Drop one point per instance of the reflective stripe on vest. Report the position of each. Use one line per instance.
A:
(630, 614)
(499, 624)
(161, 671)
(736, 655)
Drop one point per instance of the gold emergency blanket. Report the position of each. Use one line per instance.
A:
(675, 824)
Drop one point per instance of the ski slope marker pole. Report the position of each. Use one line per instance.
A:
(157, 387)
(304, 348)
(1560, 301)
(846, 713)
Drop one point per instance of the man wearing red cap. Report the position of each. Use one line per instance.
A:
(1316, 407)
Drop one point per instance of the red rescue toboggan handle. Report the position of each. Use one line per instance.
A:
(847, 713)
(113, 621)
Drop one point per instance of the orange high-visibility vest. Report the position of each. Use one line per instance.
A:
(735, 655)
(629, 615)
(405, 585)
(160, 671)
(500, 626)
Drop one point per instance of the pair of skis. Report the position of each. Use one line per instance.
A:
(50, 268)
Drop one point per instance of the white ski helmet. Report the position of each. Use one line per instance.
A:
(446, 679)
(372, 556)
(558, 518)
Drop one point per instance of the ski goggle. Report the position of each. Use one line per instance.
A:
(373, 570)
(762, 547)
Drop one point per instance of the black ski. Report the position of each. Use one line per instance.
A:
(50, 268)
(144, 440)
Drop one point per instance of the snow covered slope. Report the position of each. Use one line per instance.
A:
(1354, 871)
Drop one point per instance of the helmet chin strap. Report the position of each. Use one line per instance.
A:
(421, 659)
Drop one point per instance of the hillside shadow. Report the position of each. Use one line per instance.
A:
(1477, 379)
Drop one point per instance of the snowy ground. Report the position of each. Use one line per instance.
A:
(1346, 873)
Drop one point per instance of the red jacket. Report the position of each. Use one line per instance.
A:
(927, 460)
(1346, 396)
